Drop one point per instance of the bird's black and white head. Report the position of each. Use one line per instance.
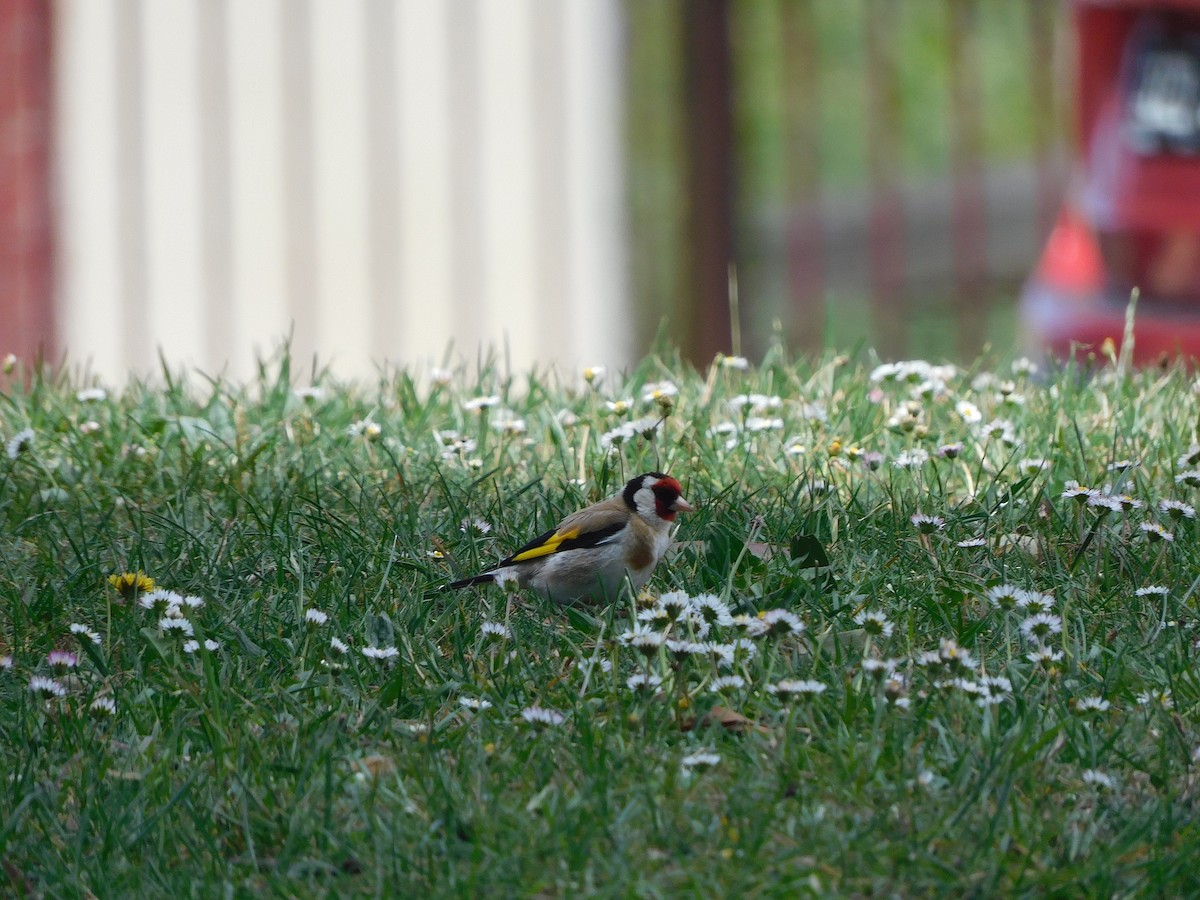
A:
(655, 496)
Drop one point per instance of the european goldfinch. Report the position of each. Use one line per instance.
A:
(588, 555)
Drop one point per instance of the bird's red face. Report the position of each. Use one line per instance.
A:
(668, 498)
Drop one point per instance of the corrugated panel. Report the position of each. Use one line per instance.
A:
(375, 178)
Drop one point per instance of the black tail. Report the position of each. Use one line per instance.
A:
(486, 578)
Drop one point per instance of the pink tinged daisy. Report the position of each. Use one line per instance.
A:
(875, 623)
(928, 524)
(170, 625)
(541, 715)
(1155, 532)
(797, 687)
(46, 687)
(380, 652)
(103, 706)
(640, 681)
(91, 426)
(82, 631)
(315, 616)
(1177, 509)
(702, 759)
(62, 659)
(1041, 626)
(873, 460)
(950, 451)
(1091, 704)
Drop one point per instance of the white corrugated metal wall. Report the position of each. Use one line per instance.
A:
(376, 178)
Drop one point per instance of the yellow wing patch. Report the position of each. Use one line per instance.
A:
(546, 547)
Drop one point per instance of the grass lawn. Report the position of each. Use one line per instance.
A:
(895, 650)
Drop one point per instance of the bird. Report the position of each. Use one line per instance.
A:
(592, 551)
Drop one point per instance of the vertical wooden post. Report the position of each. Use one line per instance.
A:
(802, 163)
(886, 228)
(709, 91)
(1042, 19)
(969, 223)
(26, 212)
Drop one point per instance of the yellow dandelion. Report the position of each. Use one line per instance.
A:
(130, 584)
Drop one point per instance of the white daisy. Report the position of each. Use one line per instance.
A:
(796, 687)
(699, 759)
(372, 652)
(19, 442)
(540, 715)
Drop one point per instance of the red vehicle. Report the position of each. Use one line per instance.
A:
(1132, 215)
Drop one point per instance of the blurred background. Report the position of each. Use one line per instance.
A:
(398, 180)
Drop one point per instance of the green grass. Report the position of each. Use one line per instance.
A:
(275, 765)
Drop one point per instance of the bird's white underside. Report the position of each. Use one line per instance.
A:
(593, 574)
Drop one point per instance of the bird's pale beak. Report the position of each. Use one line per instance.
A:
(681, 505)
